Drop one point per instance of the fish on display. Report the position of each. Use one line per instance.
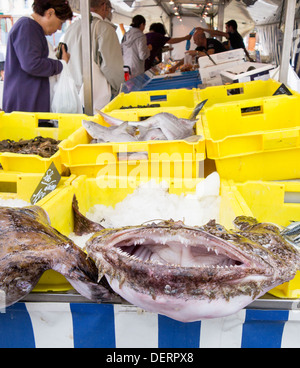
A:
(44, 147)
(193, 273)
(29, 246)
(171, 127)
(100, 133)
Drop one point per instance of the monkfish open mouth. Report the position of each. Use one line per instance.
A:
(184, 248)
(189, 273)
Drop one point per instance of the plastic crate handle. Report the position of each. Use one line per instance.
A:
(292, 197)
(47, 120)
(252, 110)
(158, 98)
(233, 91)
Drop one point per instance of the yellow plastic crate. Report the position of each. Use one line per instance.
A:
(275, 202)
(240, 91)
(137, 101)
(254, 140)
(21, 186)
(109, 192)
(159, 158)
(112, 190)
(19, 125)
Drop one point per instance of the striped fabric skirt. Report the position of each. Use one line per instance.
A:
(88, 325)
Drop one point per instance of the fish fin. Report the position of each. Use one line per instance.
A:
(21, 285)
(83, 275)
(291, 233)
(82, 225)
(37, 213)
(197, 109)
(110, 120)
(92, 290)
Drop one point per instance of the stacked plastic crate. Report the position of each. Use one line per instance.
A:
(252, 132)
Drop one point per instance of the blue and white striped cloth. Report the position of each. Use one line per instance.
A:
(67, 325)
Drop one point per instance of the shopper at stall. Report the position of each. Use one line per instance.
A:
(27, 66)
(233, 36)
(157, 39)
(134, 46)
(205, 46)
(107, 59)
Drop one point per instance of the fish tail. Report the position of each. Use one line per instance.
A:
(293, 229)
(197, 109)
(292, 234)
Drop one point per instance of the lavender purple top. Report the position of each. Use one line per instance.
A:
(28, 68)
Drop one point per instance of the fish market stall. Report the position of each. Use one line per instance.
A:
(66, 319)
(59, 313)
(138, 242)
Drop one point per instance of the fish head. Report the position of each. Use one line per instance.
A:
(191, 273)
(92, 128)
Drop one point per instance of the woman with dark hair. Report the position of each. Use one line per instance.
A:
(27, 66)
(157, 39)
(134, 46)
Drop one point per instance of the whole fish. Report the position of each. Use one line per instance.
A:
(173, 128)
(29, 246)
(192, 273)
(100, 133)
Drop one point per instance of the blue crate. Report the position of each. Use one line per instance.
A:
(143, 82)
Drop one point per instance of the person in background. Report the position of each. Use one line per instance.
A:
(205, 46)
(235, 39)
(27, 65)
(134, 46)
(2, 63)
(157, 39)
(107, 59)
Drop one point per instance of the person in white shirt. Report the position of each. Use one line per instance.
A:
(134, 46)
(107, 59)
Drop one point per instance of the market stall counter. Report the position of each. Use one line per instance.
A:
(70, 321)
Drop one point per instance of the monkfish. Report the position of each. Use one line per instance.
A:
(193, 273)
(29, 246)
